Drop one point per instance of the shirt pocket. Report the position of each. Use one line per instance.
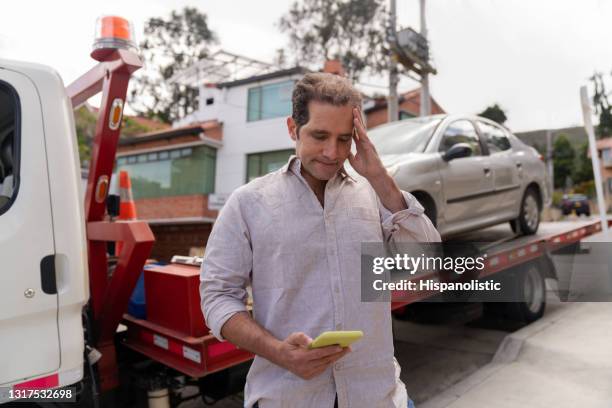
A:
(364, 224)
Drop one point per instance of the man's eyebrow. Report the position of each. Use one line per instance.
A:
(319, 131)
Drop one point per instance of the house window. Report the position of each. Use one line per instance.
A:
(269, 101)
(606, 157)
(172, 172)
(259, 164)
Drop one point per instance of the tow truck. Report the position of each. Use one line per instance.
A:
(63, 301)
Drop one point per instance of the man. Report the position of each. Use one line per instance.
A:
(294, 235)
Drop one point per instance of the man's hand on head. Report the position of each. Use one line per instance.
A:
(295, 356)
(368, 164)
(366, 161)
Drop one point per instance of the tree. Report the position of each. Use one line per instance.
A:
(85, 121)
(352, 31)
(584, 167)
(170, 45)
(602, 106)
(563, 160)
(495, 113)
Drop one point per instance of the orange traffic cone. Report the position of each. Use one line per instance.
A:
(127, 209)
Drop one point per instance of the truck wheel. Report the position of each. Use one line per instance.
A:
(530, 289)
(529, 215)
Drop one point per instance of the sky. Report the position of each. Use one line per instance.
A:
(529, 56)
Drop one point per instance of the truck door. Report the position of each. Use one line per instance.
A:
(29, 344)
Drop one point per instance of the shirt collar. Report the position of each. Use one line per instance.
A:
(294, 165)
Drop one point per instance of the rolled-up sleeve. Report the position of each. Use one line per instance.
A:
(409, 225)
(226, 268)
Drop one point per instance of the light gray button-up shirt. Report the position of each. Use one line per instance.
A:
(302, 261)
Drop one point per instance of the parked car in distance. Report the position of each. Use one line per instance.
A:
(578, 203)
(467, 171)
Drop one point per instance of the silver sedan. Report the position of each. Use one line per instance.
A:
(467, 171)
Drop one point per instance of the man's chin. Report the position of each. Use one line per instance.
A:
(322, 172)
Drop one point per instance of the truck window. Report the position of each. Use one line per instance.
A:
(9, 148)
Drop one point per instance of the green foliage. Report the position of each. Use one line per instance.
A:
(602, 106)
(587, 188)
(85, 124)
(352, 31)
(583, 171)
(170, 46)
(557, 197)
(563, 160)
(495, 113)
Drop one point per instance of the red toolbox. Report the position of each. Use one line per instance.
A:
(172, 294)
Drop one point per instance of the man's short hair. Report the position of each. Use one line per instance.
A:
(321, 87)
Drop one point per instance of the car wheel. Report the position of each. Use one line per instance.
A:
(529, 215)
(429, 206)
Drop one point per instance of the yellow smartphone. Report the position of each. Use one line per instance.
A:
(341, 338)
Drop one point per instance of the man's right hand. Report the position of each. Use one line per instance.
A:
(295, 356)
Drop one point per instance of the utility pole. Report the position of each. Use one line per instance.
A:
(425, 100)
(392, 108)
(588, 125)
(549, 159)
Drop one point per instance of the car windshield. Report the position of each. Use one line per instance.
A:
(406, 136)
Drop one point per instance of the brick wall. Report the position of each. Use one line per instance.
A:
(173, 240)
(411, 105)
(195, 205)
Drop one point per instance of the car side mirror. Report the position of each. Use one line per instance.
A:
(457, 151)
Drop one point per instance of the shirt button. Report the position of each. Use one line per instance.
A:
(336, 289)
(338, 366)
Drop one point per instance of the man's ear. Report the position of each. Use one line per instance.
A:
(292, 128)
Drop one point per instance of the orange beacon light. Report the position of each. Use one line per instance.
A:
(112, 33)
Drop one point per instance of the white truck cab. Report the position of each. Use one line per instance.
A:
(43, 267)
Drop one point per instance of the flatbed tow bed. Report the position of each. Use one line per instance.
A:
(201, 356)
(506, 250)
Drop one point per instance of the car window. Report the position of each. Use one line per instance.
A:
(461, 131)
(496, 138)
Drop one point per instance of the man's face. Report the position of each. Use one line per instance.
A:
(324, 142)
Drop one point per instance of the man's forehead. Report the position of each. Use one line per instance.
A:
(325, 113)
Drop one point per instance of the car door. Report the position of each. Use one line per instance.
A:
(29, 344)
(466, 181)
(505, 168)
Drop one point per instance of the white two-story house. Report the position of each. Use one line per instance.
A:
(253, 114)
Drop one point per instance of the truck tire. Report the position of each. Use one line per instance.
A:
(529, 215)
(530, 290)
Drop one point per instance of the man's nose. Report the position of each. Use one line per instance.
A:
(330, 151)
